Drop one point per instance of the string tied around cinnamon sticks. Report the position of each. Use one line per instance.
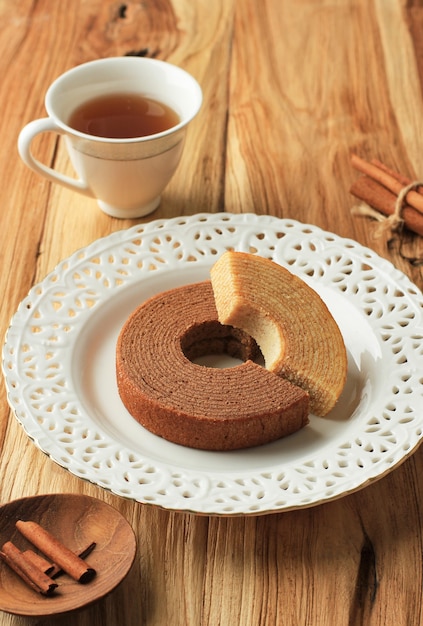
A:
(393, 222)
(388, 197)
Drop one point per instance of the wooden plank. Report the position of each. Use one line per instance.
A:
(290, 89)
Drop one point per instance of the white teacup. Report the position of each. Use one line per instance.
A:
(125, 176)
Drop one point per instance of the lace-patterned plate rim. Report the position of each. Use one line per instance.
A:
(58, 363)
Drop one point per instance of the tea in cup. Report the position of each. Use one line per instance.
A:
(124, 120)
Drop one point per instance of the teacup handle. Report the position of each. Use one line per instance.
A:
(26, 136)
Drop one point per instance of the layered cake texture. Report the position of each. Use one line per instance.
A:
(190, 404)
(298, 336)
(251, 307)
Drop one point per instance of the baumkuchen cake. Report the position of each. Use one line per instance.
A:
(190, 404)
(297, 335)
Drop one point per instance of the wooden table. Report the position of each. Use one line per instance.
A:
(291, 89)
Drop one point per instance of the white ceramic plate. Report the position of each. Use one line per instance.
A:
(58, 362)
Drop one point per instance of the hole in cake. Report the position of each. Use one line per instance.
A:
(212, 344)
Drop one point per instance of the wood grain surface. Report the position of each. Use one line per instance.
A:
(291, 89)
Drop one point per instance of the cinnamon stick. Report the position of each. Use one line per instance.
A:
(57, 571)
(413, 198)
(26, 570)
(380, 198)
(67, 560)
(39, 561)
(404, 180)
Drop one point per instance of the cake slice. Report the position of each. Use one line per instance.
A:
(297, 334)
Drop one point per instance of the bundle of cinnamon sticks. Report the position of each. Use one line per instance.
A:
(39, 572)
(380, 186)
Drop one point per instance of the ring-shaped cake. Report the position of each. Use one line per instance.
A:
(195, 405)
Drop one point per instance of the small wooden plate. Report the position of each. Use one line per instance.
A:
(76, 521)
